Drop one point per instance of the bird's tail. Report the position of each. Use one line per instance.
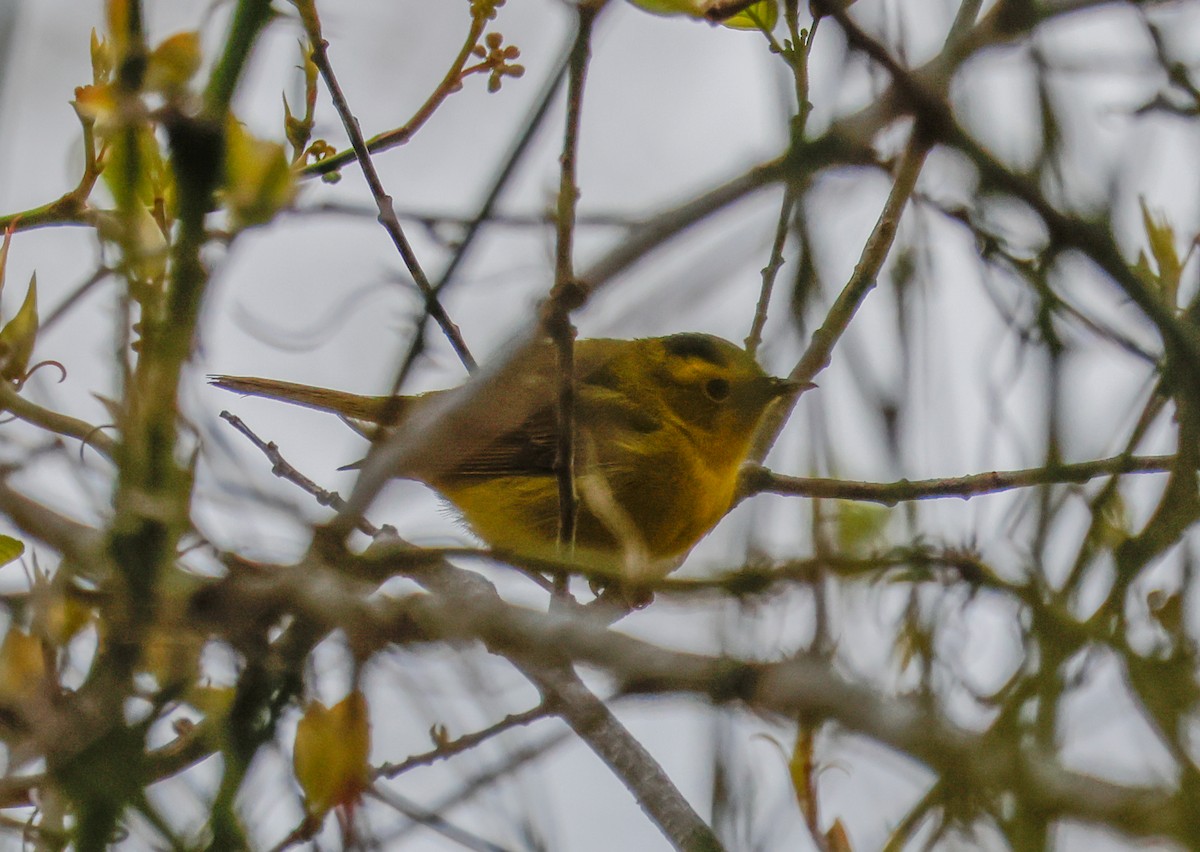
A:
(381, 410)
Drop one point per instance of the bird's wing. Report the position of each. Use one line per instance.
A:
(602, 411)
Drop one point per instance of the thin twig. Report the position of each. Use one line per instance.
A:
(486, 213)
(282, 468)
(771, 270)
(797, 60)
(501, 771)
(465, 742)
(451, 83)
(863, 280)
(71, 208)
(387, 215)
(759, 480)
(564, 295)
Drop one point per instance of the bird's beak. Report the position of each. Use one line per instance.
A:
(789, 387)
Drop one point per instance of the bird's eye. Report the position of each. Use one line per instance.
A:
(717, 389)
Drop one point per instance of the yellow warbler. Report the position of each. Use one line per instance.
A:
(662, 426)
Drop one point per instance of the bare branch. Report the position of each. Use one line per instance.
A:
(759, 480)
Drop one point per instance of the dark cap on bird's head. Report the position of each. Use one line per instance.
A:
(690, 344)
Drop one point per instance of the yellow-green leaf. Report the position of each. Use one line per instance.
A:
(760, 16)
(1110, 527)
(102, 59)
(141, 241)
(1161, 237)
(1143, 271)
(62, 618)
(173, 63)
(22, 664)
(10, 549)
(913, 643)
(152, 181)
(18, 336)
(330, 753)
(259, 180)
